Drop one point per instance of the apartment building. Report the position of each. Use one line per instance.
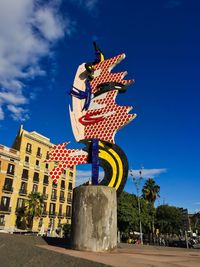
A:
(31, 174)
(9, 162)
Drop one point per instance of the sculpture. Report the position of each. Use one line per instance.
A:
(95, 119)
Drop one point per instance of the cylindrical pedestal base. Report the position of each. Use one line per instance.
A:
(94, 218)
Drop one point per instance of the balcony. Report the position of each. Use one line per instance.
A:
(46, 181)
(5, 209)
(37, 167)
(54, 185)
(69, 200)
(23, 192)
(28, 151)
(7, 189)
(60, 215)
(46, 171)
(10, 173)
(26, 164)
(52, 214)
(62, 199)
(36, 180)
(39, 155)
(24, 178)
(44, 213)
(45, 196)
(53, 198)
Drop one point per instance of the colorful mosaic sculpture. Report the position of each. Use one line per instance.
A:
(95, 119)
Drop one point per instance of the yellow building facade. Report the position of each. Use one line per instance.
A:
(31, 174)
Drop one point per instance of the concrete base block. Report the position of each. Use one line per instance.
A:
(94, 218)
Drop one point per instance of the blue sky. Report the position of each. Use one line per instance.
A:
(42, 44)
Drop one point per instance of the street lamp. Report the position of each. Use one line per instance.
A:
(137, 183)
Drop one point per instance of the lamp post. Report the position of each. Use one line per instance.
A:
(137, 183)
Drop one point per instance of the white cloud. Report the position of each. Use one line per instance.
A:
(1, 113)
(18, 113)
(83, 176)
(13, 98)
(147, 173)
(88, 4)
(28, 31)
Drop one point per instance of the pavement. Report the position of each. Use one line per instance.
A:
(138, 256)
(18, 250)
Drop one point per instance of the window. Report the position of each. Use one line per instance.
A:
(44, 190)
(52, 208)
(62, 184)
(26, 159)
(11, 169)
(62, 194)
(8, 184)
(46, 165)
(68, 211)
(37, 163)
(44, 207)
(23, 186)
(28, 147)
(36, 177)
(47, 155)
(2, 219)
(70, 186)
(46, 179)
(20, 203)
(54, 184)
(25, 174)
(60, 209)
(39, 152)
(5, 202)
(72, 168)
(40, 222)
(53, 194)
(35, 188)
(71, 174)
(64, 172)
(69, 197)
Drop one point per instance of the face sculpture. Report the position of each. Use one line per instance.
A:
(95, 119)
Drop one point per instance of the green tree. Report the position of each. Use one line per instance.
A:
(195, 222)
(127, 212)
(34, 207)
(150, 193)
(169, 219)
(21, 218)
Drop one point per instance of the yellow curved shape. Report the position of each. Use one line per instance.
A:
(102, 57)
(118, 159)
(105, 155)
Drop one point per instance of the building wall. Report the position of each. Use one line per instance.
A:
(9, 162)
(32, 173)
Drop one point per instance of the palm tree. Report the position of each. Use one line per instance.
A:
(34, 207)
(150, 193)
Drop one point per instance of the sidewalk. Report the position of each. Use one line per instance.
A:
(143, 256)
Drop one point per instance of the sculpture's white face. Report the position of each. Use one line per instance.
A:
(103, 117)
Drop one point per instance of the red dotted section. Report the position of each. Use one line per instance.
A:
(106, 76)
(106, 129)
(67, 158)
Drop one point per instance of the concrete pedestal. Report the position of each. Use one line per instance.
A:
(94, 218)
